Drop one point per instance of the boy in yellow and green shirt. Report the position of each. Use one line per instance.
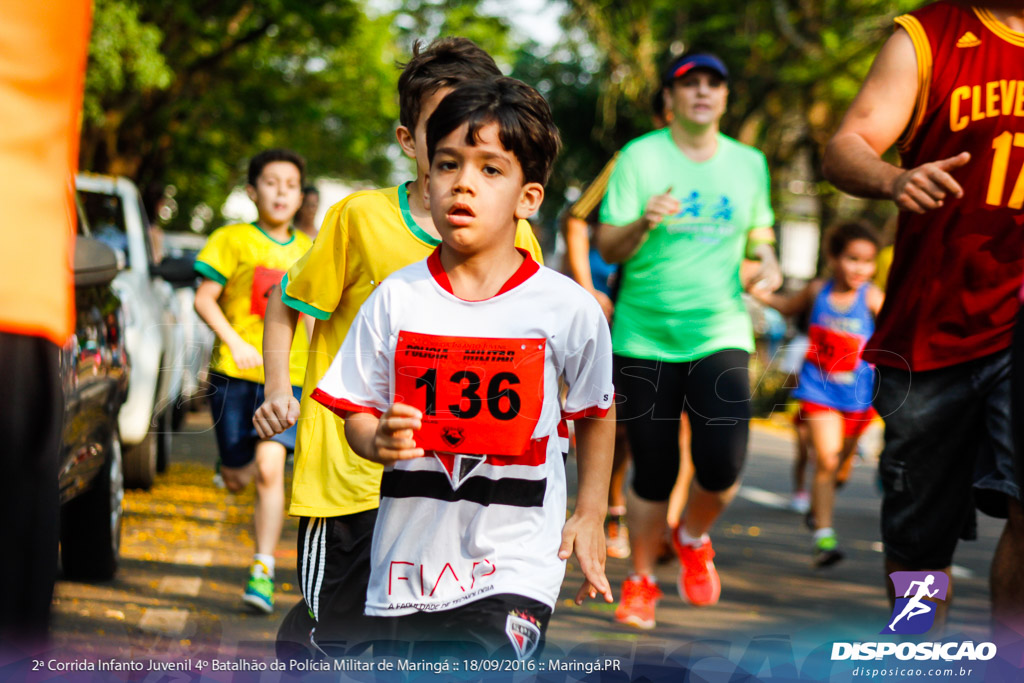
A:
(363, 239)
(241, 265)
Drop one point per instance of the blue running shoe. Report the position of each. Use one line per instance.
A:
(259, 592)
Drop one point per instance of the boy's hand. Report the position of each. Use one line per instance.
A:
(394, 438)
(245, 355)
(659, 206)
(278, 412)
(585, 536)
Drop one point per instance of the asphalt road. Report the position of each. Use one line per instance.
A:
(187, 544)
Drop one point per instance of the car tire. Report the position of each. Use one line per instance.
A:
(164, 431)
(140, 463)
(90, 525)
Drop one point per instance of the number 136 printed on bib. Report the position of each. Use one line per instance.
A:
(478, 395)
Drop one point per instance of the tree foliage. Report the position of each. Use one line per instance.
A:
(795, 65)
(425, 20)
(183, 94)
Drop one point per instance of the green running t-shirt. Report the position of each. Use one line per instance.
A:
(679, 297)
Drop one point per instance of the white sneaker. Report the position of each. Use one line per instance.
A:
(800, 502)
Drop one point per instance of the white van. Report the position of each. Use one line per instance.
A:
(154, 338)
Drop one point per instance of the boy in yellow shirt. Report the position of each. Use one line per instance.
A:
(241, 264)
(363, 239)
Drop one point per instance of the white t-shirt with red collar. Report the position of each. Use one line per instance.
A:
(482, 513)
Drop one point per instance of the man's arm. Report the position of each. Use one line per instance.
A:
(881, 111)
(584, 531)
(280, 410)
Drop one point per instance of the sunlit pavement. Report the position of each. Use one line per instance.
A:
(773, 600)
(187, 545)
(185, 552)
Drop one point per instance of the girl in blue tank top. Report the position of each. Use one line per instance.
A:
(835, 384)
(833, 374)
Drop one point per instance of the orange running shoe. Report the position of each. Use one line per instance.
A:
(698, 578)
(636, 604)
(616, 537)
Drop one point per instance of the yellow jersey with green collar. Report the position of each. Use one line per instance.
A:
(249, 263)
(364, 238)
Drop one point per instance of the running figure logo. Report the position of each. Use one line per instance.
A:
(912, 614)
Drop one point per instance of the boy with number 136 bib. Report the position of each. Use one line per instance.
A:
(450, 378)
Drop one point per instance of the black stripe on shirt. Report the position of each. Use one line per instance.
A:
(523, 493)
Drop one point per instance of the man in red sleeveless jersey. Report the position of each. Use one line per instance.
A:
(948, 86)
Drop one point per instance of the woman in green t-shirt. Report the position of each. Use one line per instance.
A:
(684, 206)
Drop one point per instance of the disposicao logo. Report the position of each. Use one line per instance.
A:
(913, 614)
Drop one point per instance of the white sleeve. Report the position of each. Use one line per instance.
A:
(588, 364)
(359, 378)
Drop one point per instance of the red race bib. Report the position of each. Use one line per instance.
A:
(478, 395)
(263, 282)
(833, 351)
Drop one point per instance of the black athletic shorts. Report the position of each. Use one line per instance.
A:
(334, 571)
(505, 626)
(1018, 399)
(948, 449)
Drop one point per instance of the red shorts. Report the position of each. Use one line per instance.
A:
(854, 421)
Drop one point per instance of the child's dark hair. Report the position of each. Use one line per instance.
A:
(258, 162)
(445, 63)
(842, 234)
(525, 126)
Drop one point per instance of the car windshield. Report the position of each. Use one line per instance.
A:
(106, 218)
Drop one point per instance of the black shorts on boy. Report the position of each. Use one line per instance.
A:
(505, 626)
(334, 570)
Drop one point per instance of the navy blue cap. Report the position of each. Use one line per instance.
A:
(687, 63)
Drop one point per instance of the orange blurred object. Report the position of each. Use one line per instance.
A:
(43, 47)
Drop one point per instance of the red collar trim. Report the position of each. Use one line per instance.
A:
(522, 274)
